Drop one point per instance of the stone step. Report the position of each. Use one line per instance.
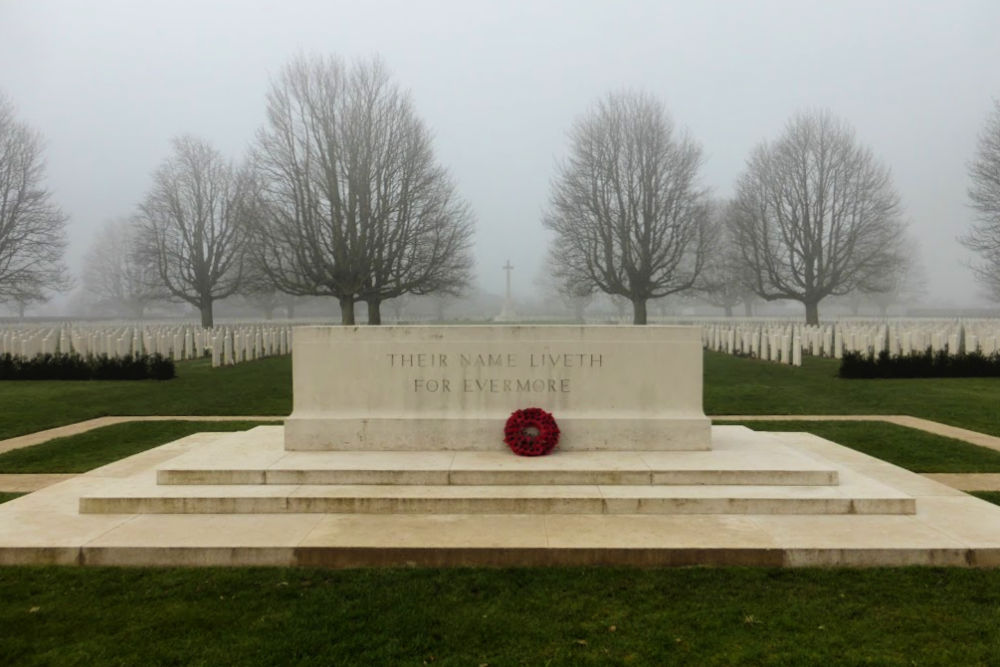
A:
(232, 462)
(551, 499)
(497, 477)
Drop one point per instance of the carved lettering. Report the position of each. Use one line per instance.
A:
(567, 360)
(545, 361)
(488, 360)
(418, 360)
(432, 386)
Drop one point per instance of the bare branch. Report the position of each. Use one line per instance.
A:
(629, 217)
(816, 215)
(32, 228)
(351, 202)
(192, 223)
(984, 195)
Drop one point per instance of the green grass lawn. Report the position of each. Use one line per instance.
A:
(908, 448)
(479, 616)
(990, 496)
(735, 386)
(6, 495)
(89, 450)
(262, 387)
(732, 386)
(499, 617)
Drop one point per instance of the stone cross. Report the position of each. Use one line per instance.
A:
(508, 268)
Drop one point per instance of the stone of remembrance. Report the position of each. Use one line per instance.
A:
(452, 388)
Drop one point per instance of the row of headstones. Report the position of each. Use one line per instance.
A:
(231, 345)
(228, 344)
(785, 342)
(782, 344)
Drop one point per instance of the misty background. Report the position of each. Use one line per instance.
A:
(109, 84)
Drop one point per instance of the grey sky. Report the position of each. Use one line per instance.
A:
(110, 82)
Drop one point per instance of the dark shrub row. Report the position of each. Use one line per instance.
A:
(856, 365)
(76, 367)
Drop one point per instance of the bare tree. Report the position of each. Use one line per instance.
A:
(572, 296)
(629, 217)
(116, 273)
(816, 215)
(726, 280)
(258, 290)
(904, 283)
(32, 228)
(352, 203)
(191, 225)
(22, 299)
(984, 194)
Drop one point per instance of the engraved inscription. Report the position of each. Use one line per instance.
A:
(540, 361)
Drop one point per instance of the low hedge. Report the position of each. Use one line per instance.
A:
(77, 367)
(928, 364)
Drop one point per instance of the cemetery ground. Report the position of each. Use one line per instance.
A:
(83, 616)
(733, 386)
(500, 616)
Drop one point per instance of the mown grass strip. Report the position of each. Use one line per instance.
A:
(736, 386)
(732, 386)
(553, 616)
(989, 496)
(262, 387)
(5, 496)
(92, 449)
(908, 448)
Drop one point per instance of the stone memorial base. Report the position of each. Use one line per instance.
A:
(773, 499)
(394, 455)
(452, 387)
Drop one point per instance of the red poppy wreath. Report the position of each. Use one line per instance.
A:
(531, 432)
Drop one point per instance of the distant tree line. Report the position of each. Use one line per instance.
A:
(340, 195)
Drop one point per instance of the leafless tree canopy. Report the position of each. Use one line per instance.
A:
(984, 194)
(352, 203)
(816, 215)
(32, 228)
(629, 217)
(191, 224)
(115, 272)
(726, 281)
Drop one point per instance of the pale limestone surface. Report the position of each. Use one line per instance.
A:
(946, 527)
(971, 481)
(30, 482)
(446, 387)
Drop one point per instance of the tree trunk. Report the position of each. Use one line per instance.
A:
(729, 311)
(812, 312)
(375, 312)
(138, 310)
(747, 308)
(346, 310)
(290, 310)
(20, 309)
(639, 311)
(207, 321)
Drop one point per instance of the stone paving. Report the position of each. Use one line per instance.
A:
(940, 525)
(82, 427)
(963, 481)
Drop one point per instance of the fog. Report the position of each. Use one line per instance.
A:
(109, 83)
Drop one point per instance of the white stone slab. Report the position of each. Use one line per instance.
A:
(453, 388)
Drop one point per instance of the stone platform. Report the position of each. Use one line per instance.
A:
(755, 499)
(420, 388)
